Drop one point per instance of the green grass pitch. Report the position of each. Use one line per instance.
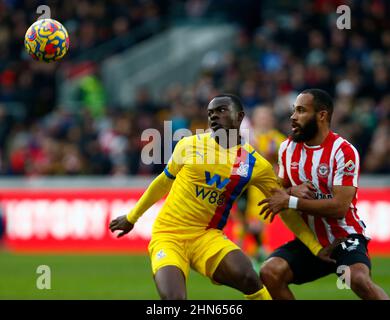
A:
(129, 277)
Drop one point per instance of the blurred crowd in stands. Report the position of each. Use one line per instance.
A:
(270, 63)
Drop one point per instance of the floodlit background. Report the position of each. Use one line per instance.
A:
(70, 131)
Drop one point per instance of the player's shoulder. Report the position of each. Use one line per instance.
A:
(285, 143)
(250, 149)
(341, 144)
(202, 136)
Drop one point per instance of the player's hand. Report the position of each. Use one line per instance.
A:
(325, 253)
(274, 204)
(305, 190)
(121, 223)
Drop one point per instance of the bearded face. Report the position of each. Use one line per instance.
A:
(305, 131)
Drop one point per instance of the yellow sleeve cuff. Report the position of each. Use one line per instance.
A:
(131, 217)
(316, 248)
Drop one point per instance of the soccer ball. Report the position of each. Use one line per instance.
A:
(46, 40)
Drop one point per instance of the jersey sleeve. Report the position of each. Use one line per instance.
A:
(177, 159)
(156, 190)
(346, 166)
(282, 174)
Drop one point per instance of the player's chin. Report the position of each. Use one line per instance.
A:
(297, 136)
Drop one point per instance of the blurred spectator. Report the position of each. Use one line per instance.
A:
(92, 95)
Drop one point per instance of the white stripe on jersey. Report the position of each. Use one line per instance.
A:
(328, 230)
(339, 158)
(357, 166)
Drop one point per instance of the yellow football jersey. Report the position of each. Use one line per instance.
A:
(208, 179)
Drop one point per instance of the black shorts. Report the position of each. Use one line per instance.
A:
(306, 267)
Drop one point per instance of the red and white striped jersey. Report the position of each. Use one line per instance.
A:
(333, 163)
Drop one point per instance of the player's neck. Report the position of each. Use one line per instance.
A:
(319, 138)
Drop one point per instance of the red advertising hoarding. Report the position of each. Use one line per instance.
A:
(74, 220)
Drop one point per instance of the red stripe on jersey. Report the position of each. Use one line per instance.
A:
(234, 180)
(320, 230)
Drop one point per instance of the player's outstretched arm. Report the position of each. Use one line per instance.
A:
(156, 190)
(295, 223)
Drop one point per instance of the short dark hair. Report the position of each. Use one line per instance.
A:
(236, 100)
(321, 101)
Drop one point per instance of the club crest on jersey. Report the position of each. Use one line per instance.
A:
(243, 169)
(323, 170)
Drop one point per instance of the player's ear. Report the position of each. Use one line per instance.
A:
(323, 115)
